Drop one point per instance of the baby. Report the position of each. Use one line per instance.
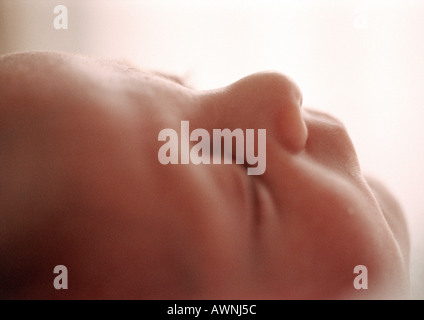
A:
(83, 185)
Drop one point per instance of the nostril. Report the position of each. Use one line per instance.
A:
(264, 100)
(294, 129)
(283, 100)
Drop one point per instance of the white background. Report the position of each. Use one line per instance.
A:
(362, 61)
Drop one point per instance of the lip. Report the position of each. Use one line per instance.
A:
(329, 143)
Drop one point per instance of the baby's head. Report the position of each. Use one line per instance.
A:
(82, 185)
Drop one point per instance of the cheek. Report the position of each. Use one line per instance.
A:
(214, 221)
(320, 233)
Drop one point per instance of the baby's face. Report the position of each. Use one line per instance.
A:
(82, 186)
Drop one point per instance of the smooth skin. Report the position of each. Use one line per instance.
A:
(81, 186)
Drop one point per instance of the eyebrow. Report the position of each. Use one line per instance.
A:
(128, 66)
(170, 76)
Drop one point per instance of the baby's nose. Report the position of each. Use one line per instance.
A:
(265, 100)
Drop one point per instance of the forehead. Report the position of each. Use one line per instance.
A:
(88, 96)
(35, 68)
(47, 78)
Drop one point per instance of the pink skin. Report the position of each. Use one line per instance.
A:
(81, 186)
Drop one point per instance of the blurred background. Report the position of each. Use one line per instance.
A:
(362, 61)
